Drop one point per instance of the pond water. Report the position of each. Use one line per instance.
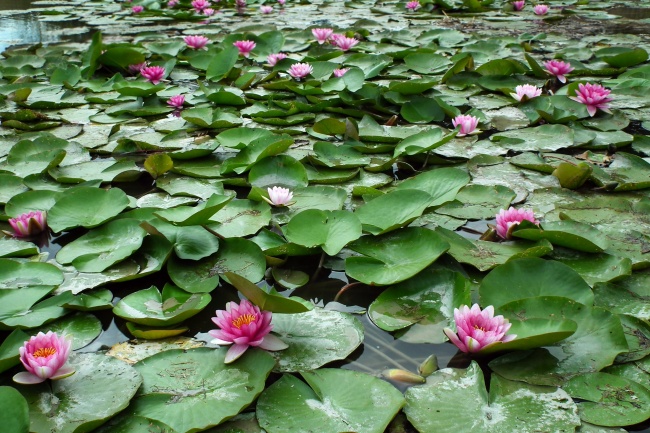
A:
(46, 23)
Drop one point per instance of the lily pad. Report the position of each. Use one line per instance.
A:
(315, 338)
(332, 230)
(150, 307)
(86, 207)
(70, 405)
(394, 257)
(196, 382)
(15, 413)
(331, 401)
(509, 406)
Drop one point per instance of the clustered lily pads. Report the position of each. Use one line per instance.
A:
(428, 155)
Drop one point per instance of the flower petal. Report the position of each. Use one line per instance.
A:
(235, 352)
(25, 378)
(271, 342)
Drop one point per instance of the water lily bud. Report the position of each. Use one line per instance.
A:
(403, 376)
(428, 366)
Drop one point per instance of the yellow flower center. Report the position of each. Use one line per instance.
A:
(44, 352)
(479, 327)
(243, 320)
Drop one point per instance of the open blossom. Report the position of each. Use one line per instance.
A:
(29, 224)
(558, 68)
(208, 12)
(540, 9)
(279, 196)
(137, 9)
(340, 72)
(196, 42)
(273, 59)
(266, 9)
(413, 6)
(518, 5)
(176, 101)
(243, 326)
(525, 92)
(44, 356)
(154, 74)
(478, 329)
(507, 220)
(322, 35)
(300, 70)
(467, 124)
(345, 43)
(199, 5)
(594, 96)
(244, 47)
(172, 3)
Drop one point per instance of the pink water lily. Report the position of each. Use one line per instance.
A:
(525, 92)
(196, 42)
(413, 5)
(345, 43)
(518, 5)
(266, 9)
(176, 101)
(279, 196)
(199, 5)
(478, 329)
(540, 9)
(322, 35)
(558, 68)
(244, 325)
(245, 47)
(154, 74)
(273, 59)
(300, 70)
(340, 72)
(44, 356)
(467, 124)
(282, 2)
(137, 9)
(507, 220)
(594, 96)
(240, 4)
(208, 12)
(29, 224)
(172, 3)
(136, 68)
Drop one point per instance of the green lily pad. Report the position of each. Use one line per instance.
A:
(81, 328)
(630, 295)
(487, 255)
(393, 210)
(240, 218)
(86, 207)
(103, 247)
(12, 247)
(595, 344)
(394, 257)
(509, 406)
(609, 400)
(15, 412)
(315, 338)
(424, 304)
(532, 278)
(9, 349)
(569, 234)
(16, 274)
(478, 202)
(197, 382)
(332, 230)
(70, 405)
(150, 307)
(92, 300)
(331, 401)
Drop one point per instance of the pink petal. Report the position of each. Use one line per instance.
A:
(235, 352)
(25, 378)
(271, 342)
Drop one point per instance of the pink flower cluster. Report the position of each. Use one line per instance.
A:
(154, 74)
(300, 70)
(244, 326)
(279, 196)
(594, 96)
(245, 47)
(466, 123)
(478, 329)
(29, 224)
(44, 356)
(558, 68)
(507, 220)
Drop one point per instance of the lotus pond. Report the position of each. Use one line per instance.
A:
(155, 137)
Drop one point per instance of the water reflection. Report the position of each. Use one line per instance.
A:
(28, 27)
